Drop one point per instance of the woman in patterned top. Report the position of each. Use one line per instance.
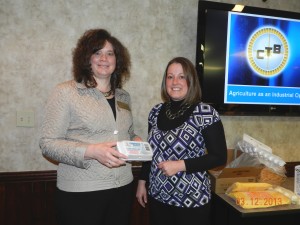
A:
(84, 119)
(187, 138)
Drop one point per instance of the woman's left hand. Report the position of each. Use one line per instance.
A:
(170, 168)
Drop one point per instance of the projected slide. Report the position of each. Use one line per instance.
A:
(262, 60)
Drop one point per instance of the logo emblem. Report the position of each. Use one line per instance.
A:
(267, 51)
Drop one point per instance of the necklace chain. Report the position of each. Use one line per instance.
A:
(107, 94)
(180, 112)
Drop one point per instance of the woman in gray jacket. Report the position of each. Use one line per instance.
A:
(84, 118)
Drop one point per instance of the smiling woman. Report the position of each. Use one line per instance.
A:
(176, 82)
(103, 64)
(84, 120)
(187, 138)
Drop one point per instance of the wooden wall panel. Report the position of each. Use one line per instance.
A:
(27, 198)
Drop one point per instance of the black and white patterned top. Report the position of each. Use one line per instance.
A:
(186, 141)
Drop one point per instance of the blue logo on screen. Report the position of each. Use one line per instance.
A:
(267, 51)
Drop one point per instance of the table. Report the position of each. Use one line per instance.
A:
(226, 211)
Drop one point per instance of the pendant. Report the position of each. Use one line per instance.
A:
(107, 94)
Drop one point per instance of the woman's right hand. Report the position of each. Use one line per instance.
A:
(106, 154)
(141, 193)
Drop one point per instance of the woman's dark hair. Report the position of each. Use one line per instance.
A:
(89, 43)
(194, 90)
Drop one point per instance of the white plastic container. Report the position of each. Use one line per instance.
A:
(297, 180)
(135, 150)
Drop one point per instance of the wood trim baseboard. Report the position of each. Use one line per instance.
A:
(50, 175)
(27, 176)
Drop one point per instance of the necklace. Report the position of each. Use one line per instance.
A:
(107, 94)
(180, 112)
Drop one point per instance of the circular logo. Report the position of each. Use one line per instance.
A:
(267, 51)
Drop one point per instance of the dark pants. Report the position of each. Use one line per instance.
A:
(106, 207)
(163, 214)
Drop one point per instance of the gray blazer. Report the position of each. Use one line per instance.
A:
(76, 116)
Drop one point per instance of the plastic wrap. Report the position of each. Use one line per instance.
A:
(259, 156)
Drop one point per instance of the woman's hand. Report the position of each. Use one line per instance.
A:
(137, 138)
(106, 154)
(141, 193)
(170, 168)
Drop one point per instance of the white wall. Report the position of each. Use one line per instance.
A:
(37, 38)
